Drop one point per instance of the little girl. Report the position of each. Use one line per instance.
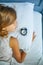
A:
(8, 44)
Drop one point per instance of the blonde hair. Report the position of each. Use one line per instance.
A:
(7, 17)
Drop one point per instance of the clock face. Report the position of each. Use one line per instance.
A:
(23, 31)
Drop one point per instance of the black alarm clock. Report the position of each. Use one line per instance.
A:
(23, 31)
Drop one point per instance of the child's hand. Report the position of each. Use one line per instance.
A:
(33, 37)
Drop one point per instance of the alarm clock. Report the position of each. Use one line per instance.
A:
(23, 31)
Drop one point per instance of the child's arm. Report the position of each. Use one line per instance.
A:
(17, 54)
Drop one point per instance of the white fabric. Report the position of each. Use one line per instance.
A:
(5, 50)
(4, 63)
(35, 54)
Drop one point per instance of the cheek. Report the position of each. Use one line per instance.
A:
(11, 28)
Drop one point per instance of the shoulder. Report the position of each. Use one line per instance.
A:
(13, 41)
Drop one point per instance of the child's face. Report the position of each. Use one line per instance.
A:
(11, 27)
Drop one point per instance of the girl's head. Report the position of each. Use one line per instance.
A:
(7, 19)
